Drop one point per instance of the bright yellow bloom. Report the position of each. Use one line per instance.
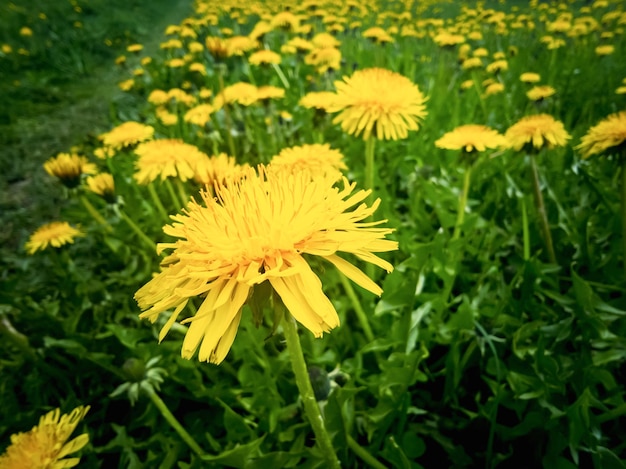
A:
(493, 88)
(530, 77)
(26, 31)
(269, 92)
(69, 167)
(103, 185)
(126, 85)
(158, 97)
(216, 46)
(318, 159)
(264, 57)
(134, 48)
(445, 39)
(608, 133)
(241, 93)
(325, 40)
(218, 169)
(470, 138)
(238, 45)
(126, 134)
(166, 158)
(537, 131)
(255, 230)
(199, 115)
(198, 67)
(166, 117)
(497, 66)
(44, 447)
(379, 101)
(472, 62)
(318, 99)
(324, 58)
(537, 93)
(55, 234)
(606, 49)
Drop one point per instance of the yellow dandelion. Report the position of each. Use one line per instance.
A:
(466, 84)
(269, 92)
(175, 63)
(608, 133)
(158, 97)
(264, 57)
(285, 20)
(540, 92)
(446, 39)
(378, 101)
(471, 138)
(606, 49)
(126, 85)
(126, 134)
(498, 66)
(166, 117)
(198, 67)
(68, 168)
(103, 185)
(217, 47)
(218, 169)
(26, 31)
(260, 29)
(377, 34)
(166, 158)
(535, 132)
(324, 59)
(257, 230)
(238, 45)
(318, 159)
(46, 445)
(134, 48)
(199, 115)
(300, 45)
(55, 234)
(325, 40)
(240, 93)
(530, 77)
(318, 100)
(472, 62)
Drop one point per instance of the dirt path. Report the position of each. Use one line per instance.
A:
(27, 195)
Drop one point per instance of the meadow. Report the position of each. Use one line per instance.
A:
(375, 233)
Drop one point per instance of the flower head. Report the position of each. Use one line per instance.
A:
(127, 134)
(69, 167)
(255, 230)
(540, 92)
(103, 185)
(318, 99)
(608, 133)
(318, 159)
(55, 234)
(264, 57)
(530, 77)
(45, 447)
(379, 101)
(471, 138)
(218, 170)
(166, 158)
(199, 115)
(536, 131)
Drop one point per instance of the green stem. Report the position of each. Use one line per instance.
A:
(19, 340)
(370, 166)
(157, 201)
(177, 203)
(182, 192)
(95, 214)
(541, 210)
(362, 453)
(281, 75)
(358, 308)
(623, 188)
(167, 415)
(138, 231)
(306, 391)
(525, 230)
(460, 216)
(229, 125)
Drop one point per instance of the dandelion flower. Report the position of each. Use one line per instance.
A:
(238, 45)
(241, 93)
(324, 58)
(134, 48)
(166, 117)
(608, 133)
(55, 234)
(318, 100)
(378, 101)
(199, 115)
(606, 49)
(166, 158)
(497, 66)
(269, 92)
(69, 168)
(538, 93)
(26, 31)
(45, 447)
(318, 159)
(127, 134)
(537, 131)
(217, 47)
(103, 185)
(494, 88)
(472, 62)
(255, 230)
(530, 77)
(471, 138)
(262, 57)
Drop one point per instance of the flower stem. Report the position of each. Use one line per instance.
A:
(281, 75)
(362, 453)
(95, 214)
(541, 210)
(525, 230)
(358, 308)
(138, 231)
(157, 201)
(167, 415)
(229, 134)
(182, 192)
(370, 168)
(624, 211)
(306, 391)
(460, 216)
(170, 188)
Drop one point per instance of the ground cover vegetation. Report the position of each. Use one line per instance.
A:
(323, 234)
